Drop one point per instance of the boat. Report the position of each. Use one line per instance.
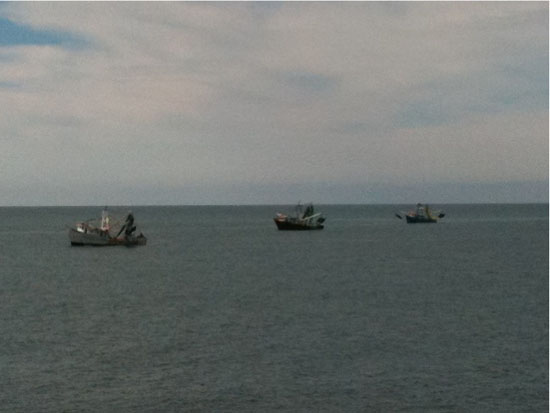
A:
(422, 214)
(302, 220)
(89, 233)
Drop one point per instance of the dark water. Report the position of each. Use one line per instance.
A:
(222, 312)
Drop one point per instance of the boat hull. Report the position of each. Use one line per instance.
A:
(286, 225)
(420, 220)
(99, 239)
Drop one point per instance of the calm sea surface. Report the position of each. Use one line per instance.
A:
(222, 312)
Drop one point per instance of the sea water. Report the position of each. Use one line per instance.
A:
(222, 312)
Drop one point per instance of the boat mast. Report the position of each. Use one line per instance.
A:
(104, 220)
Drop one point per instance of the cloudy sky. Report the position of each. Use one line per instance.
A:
(259, 103)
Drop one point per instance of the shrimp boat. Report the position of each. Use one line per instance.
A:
(302, 220)
(89, 233)
(421, 214)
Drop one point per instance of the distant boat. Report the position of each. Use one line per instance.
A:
(422, 214)
(302, 220)
(89, 233)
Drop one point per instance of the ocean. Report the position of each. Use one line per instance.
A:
(220, 312)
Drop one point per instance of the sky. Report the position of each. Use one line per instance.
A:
(152, 103)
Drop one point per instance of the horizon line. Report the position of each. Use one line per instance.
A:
(275, 204)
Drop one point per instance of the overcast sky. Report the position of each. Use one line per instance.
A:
(244, 103)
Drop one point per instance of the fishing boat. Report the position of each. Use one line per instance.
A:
(422, 214)
(90, 233)
(302, 220)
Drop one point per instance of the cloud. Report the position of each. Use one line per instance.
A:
(187, 94)
(12, 34)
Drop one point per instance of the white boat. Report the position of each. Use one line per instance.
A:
(87, 233)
